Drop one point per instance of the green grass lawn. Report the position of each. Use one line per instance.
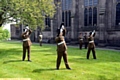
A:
(42, 67)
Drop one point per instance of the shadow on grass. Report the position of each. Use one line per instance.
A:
(41, 70)
(6, 52)
(91, 60)
(50, 69)
(9, 61)
(49, 54)
(43, 52)
(33, 50)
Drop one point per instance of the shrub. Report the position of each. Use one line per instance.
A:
(4, 34)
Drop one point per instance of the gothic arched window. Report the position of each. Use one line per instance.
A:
(86, 2)
(90, 2)
(63, 16)
(95, 2)
(94, 16)
(47, 22)
(69, 18)
(90, 16)
(66, 17)
(85, 17)
(63, 5)
(118, 0)
(118, 14)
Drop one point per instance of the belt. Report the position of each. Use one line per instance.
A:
(61, 43)
(26, 39)
(91, 41)
(81, 39)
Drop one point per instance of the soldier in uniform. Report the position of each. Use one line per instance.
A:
(26, 43)
(86, 40)
(80, 41)
(61, 48)
(91, 45)
(40, 39)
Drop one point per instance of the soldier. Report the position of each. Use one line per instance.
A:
(91, 45)
(80, 41)
(85, 40)
(61, 48)
(40, 39)
(26, 43)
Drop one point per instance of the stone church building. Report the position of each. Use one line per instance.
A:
(83, 16)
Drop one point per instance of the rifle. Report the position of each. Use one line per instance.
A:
(93, 33)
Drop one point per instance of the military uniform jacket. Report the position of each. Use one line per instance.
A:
(91, 42)
(26, 39)
(60, 47)
(80, 39)
(85, 39)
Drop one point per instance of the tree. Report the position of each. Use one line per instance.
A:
(31, 12)
(4, 34)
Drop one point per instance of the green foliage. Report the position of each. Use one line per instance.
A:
(4, 34)
(42, 67)
(30, 12)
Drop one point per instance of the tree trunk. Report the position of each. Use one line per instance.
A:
(0, 25)
(1, 20)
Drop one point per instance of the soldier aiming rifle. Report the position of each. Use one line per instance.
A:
(26, 43)
(61, 47)
(91, 45)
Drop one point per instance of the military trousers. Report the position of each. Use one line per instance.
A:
(93, 52)
(80, 45)
(26, 48)
(40, 43)
(86, 44)
(59, 56)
